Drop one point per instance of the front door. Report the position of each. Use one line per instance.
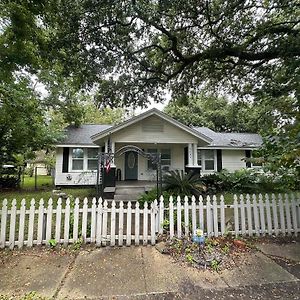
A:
(131, 165)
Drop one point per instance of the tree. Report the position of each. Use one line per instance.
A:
(219, 114)
(248, 47)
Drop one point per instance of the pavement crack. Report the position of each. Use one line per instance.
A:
(63, 280)
(144, 270)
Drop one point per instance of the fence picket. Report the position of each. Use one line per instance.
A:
(121, 223)
(256, 216)
(12, 228)
(145, 223)
(93, 220)
(152, 221)
(249, 215)
(236, 216)
(128, 225)
(208, 217)
(84, 219)
(194, 222)
(178, 217)
(243, 216)
(268, 211)
(31, 223)
(113, 224)
(201, 214)
(3, 223)
(49, 221)
(99, 223)
(288, 214)
(171, 217)
(104, 226)
(137, 224)
(281, 215)
(67, 222)
(274, 213)
(262, 214)
(222, 213)
(22, 224)
(161, 214)
(76, 220)
(294, 215)
(40, 222)
(215, 216)
(186, 216)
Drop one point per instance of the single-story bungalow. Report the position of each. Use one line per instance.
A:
(199, 149)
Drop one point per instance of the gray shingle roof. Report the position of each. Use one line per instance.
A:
(232, 139)
(82, 135)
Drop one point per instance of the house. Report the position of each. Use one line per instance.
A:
(199, 149)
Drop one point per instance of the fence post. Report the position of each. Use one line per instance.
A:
(40, 222)
(171, 217)
(288, 214)
(281, 214)
(58, 221)
(268, 211)
(121, 222)
(84, 219)
(178, 217)
(49, 221)
(67, 222)
(249, 215)
(161, 214)
(76, 220)
(22, 224)
(128, 229)
(156, 216)
(104, 226)
(243, 216)
(99, 223)
(137, 223)
(145, 223)
(222, 212)
(93, 221)
(275, 216)
(31, 223)
(208, 217)
(236, 216)
(152, 224)
(201, 213)
(294, 214)
(186, 216)
(256, 216)
(113, 224)
(262, 215)
(194, 222)
(215, 217)
(3, 223)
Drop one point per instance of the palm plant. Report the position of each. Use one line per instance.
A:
(180, 183)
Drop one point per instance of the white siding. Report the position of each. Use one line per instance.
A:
(170, 134)
(232, 159)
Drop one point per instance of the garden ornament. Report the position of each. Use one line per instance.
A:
(198, 238)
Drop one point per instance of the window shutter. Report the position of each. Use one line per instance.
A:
(248, 155)
(219, 160)
(65, 164)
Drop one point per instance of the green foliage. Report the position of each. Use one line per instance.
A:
(215, 265)
(182, 184)
(250, 181)
(77, 245)
(27, 296)
(189, 258)
(217, 113)
(151, 195)
(52, 243)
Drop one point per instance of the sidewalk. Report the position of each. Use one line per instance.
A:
(138, 272)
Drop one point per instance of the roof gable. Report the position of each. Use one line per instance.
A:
(152, 112)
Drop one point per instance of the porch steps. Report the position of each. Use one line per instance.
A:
(126, 193)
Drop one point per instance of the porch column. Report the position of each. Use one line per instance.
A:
(113, 152)
(195, 154)
(190, 154)
(106, 146)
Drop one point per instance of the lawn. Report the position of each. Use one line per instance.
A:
(44, 190)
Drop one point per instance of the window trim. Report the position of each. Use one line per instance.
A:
(202, 151)
(159, 150)
(85, 160)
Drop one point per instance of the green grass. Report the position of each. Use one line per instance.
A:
(45, 187)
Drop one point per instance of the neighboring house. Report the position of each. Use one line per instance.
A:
(199, 149)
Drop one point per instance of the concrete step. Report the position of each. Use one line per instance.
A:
(126, 197)
(129, 191)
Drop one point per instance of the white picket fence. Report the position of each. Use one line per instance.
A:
(124, 223)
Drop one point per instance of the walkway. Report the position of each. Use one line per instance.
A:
(143, 272)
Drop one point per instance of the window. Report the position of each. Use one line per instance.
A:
(77, 159)
(165, 157)
(151, 165)
(206, 159)
(92, 158)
